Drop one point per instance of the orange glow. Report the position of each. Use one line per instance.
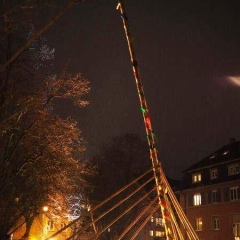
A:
(45, 208)
(235, 80)
(33, 238)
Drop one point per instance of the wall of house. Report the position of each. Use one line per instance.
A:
(224, 208)
(42, 228)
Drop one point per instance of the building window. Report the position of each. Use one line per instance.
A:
(214, 196)
(50, 225)
(160, 234)
(213, 173)
(234, 193)
(198, 224)
(196, 177)
(197, 199)
(151, 233)
(160, 222)
(233, 169)
(215, 223)
(236, 229)
(152, 218)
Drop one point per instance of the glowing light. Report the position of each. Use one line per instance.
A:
(45, 208)
(148, 121)
(143, 109)
(33, 238)
(225, 153)
(235, 80)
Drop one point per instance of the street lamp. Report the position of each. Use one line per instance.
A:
(45, 208)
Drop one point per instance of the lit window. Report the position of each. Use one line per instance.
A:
(213, 173)
(236, 229)
(198, 224)
(234, 193)
(197, 199)
(151, 233)
(214, 196)
(215, 222)
(233, 169)
(196, 177)
(152, 218)
(50, 225)
(160, 222)
(160, 234)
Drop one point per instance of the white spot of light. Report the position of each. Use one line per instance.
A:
(235, 80)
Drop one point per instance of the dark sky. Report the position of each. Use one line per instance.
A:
(185, 50)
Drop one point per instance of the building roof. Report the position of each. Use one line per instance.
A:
(225, 154)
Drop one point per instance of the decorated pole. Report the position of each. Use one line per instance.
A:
(148, 126)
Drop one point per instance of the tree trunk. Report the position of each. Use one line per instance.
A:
(29, 222)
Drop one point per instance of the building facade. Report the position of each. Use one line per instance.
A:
(154, 229)
(210, 194)
(43, 227)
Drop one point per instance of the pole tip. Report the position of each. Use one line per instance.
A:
(118, 6)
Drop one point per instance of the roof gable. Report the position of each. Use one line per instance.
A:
(227, 153)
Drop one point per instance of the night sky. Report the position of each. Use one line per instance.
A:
(186, 52)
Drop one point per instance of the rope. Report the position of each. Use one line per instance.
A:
(137, 218)
(112, 208)
(126, 211)
(144, 223)
(100, 204)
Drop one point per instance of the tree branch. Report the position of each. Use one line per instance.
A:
(37, 35)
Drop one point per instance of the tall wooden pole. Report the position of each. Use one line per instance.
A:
(148, 126)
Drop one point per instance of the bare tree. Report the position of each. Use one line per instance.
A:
(12, 9)
(40, 152)
(118, 163)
